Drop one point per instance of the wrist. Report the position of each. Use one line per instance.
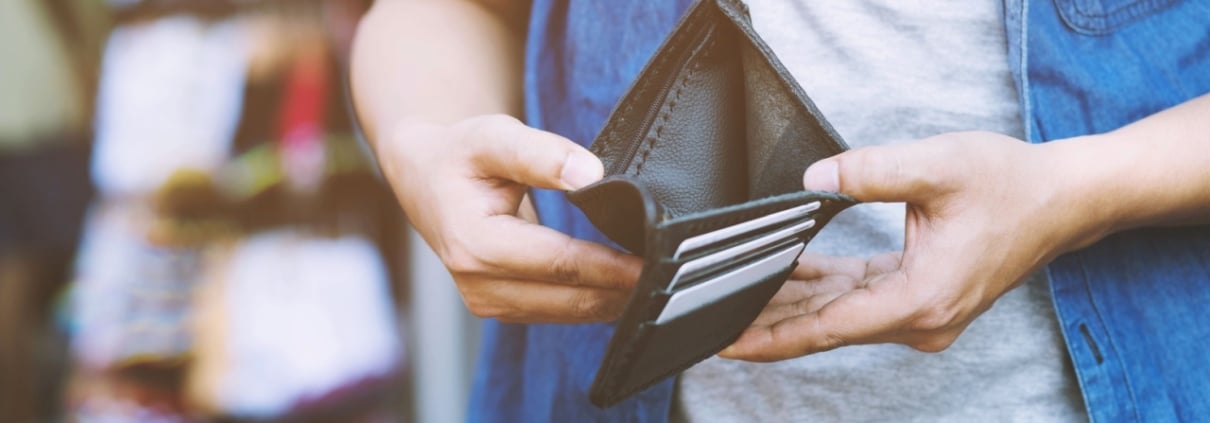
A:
(1095, 178)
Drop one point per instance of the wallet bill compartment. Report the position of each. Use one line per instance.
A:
(714, 120)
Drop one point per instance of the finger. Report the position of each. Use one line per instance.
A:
(862, 316)
(816, 266)
(503, 147)
(519, 301)
(812, 296)
(912, 172)
(883, 263)
(527, 251)
(797, 290)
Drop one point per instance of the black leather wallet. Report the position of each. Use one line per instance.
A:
(704, 157)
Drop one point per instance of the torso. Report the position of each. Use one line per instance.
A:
(883, 72)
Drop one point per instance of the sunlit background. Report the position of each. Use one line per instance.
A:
(191, 231)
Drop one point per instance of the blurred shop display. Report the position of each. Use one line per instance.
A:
(285, 318)
(232, 266)
(49, 51)
(170, 98)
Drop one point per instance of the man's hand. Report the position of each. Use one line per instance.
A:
(984, 212)
(462, 179)
(463, 187)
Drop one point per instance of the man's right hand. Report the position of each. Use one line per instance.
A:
(463, 187)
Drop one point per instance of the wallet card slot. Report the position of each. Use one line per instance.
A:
(723, 268)
(739, 252)
(712, 290)
(704, 241)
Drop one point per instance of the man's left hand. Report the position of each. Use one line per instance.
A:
(984, 211)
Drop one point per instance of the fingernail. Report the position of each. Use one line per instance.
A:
(582, 168)
(824, 175)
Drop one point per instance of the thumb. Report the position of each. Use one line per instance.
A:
(503, 147)
(894, 173)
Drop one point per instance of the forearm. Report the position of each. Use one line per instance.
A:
(440, 61)
(1154, 172)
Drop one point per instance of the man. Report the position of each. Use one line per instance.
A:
(1112, 206)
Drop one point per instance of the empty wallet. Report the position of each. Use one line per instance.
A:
(704, 157)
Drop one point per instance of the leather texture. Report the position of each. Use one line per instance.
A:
(713, 132)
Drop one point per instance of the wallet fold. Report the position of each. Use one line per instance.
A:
(713, 133)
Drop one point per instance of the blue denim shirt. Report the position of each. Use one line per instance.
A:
(1134, 307)
(1131, 306)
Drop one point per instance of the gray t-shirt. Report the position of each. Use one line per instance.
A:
(888, 71)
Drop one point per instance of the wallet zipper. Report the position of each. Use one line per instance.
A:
(661, 97)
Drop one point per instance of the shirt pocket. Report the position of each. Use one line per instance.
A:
(1101, 17)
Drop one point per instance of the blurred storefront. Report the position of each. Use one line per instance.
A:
(236, 257)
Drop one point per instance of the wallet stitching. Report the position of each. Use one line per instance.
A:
(690, 27)
(683, 82)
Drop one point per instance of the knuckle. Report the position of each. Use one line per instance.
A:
(886, 169)
(480, 307)
(478, 311)
(864, 171)
(460, 261)
(954, 172)
(589, 304)
(565, 268)
(484, 308)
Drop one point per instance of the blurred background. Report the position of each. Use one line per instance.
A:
(191, 231)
